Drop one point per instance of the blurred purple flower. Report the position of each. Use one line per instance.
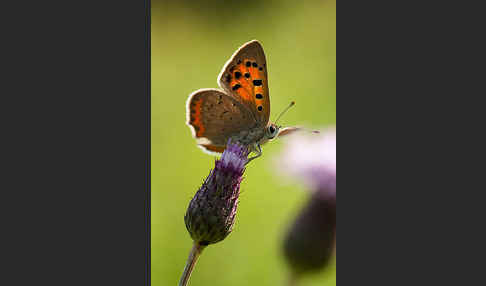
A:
(311, 159)
(311, 238)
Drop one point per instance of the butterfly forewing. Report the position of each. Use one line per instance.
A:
(215, 116)
(244, 77)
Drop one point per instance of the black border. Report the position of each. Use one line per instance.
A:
(409, 80)
(148, 21)
(75, 187)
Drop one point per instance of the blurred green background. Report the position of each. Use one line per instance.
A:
(191, 41)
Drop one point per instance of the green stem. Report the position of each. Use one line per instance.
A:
(191, 262)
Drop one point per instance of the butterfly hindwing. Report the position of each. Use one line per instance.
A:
(244, 77)
(214, 117)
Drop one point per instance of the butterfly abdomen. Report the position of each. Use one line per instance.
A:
(248, 137)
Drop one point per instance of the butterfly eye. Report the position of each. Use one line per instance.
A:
(272, 130)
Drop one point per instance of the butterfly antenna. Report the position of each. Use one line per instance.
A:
(285, 110)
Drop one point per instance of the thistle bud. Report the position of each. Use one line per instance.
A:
(211, 213)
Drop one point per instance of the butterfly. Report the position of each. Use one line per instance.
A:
(240, 109)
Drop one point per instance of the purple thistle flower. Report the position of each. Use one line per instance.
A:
(211, 213)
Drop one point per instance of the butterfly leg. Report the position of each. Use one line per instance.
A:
(258, 150)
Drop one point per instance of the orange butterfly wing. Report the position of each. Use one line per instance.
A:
(214, 117)
(244, 77)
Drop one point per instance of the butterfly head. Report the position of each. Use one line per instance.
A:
(271, 131)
